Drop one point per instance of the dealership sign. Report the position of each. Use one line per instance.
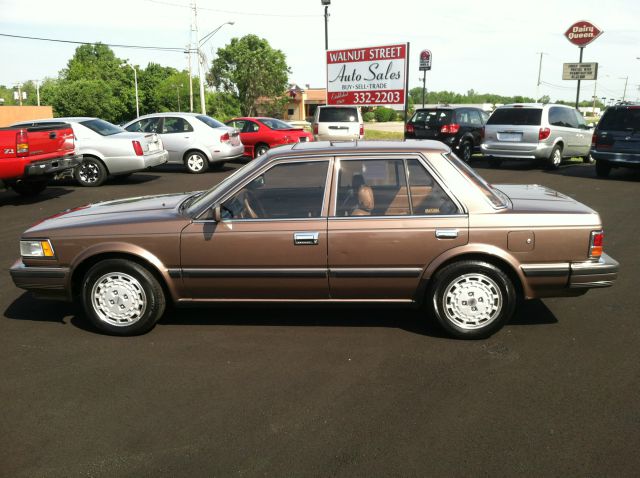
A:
(582, 33)
(425, 60)
(579, 71)
(367, 76)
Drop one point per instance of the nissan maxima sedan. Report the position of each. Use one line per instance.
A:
(324, 223)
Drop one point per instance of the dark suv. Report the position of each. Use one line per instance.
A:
(458, 127)
(616, 139)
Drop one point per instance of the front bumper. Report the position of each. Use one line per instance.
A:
(51, 167)
(46, 282)
(594, 274)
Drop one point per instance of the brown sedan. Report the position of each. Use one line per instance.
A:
(404, 223)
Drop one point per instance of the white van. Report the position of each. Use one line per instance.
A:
(338, 123)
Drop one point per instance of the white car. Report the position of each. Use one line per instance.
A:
(108, 149)
(338, 123)
(192, 139)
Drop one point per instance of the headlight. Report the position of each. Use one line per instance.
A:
(37, 248)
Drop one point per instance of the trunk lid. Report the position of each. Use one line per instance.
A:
(534, 198)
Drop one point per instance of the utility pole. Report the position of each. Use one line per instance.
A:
(19, 86)
(326, 4)
(203, 106)
(626, 80)
(38, 91)
(539, 75)
(190, 79)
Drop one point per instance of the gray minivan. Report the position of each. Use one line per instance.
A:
(535, 131)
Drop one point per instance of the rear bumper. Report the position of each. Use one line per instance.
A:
(130, 164)
(594, 274)
(51, 167)
(47, 282)
(225, 152)
(631, 160)
(522, 151)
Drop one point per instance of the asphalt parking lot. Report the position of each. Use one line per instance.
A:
(325, 392)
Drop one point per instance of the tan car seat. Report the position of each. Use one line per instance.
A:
(366, 202)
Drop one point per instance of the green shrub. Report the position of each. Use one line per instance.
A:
(369, 116)
(384, 114)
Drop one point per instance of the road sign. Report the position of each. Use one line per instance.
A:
(579, 71)
(425, 60)
(369, 76)
(582, 33)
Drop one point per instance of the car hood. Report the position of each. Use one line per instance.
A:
(130, 211)
(535, 198)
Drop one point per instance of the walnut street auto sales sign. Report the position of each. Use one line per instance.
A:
(367, 76)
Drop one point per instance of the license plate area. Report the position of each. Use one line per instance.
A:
(510, 136)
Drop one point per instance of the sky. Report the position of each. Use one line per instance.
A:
(491, 46)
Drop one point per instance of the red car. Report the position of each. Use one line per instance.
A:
(259, 134)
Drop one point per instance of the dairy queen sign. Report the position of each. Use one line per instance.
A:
(367, 76)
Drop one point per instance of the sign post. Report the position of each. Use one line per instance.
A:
(425, 65)
(581, 34)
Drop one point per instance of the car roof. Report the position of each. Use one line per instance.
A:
(351, 147)
(67, 119)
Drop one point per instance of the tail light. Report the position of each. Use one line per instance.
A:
(22, 143)
(137, 147)
(225, 138)
(315, 128)
(544, 133)
(451, 128)
(409, 128)
(595, 246)
(593, 139)
(361, 129)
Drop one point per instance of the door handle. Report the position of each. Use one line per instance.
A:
(305, 238)
(446, 233)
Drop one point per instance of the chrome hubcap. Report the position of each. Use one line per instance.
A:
(557, 157)
(261, 151)
(118, 299)
(89, 173)
(472, 301)
(195, 162)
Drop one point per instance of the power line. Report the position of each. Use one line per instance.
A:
(139, 47)
(230, 12)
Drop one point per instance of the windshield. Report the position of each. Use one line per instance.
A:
(496, 197)
(206, 199)
(516, 116)
(432, 117)
(338, 115)
(102, 127)
(211, 122)
(275, 123)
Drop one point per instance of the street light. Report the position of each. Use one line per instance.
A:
(135, 80)
(326, 4)
(201, 42)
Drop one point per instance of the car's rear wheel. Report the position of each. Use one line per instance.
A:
(196, 162)
(602, 169)
(555, 158)
(588, 159)
(472, 299)
(29, 188)
(91, 172)
(121, 297)
(466, 151)
(260, 150)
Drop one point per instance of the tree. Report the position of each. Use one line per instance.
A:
(250, 69)
(223, 105)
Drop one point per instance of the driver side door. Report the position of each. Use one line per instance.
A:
(271, 243)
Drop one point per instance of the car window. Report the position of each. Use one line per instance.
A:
(569, 117)
(147, 125)
(338, 115)
(285, 191)
(103, 128)
(495, 196)
(432, 117)
(211, 122)
(555, 116)
(462, 117)
(238, 124)
(474, 118)
(427, 196)
(580, 119)
(276, 124)
(175, 125)
(485, 117)
(516, 116)
(250, 127)
(621, 119)
(372, 187)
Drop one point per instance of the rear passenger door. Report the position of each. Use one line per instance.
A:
(389, 219)
(177, 136)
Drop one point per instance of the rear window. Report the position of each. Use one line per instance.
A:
(495, 196)
(211, 122)
(621, 119)
(432, 117)
(102, 127)
(338, 115)
(518, 116)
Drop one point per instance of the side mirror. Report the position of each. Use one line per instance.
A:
(217, 214)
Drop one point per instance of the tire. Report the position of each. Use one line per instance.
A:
(125, 284)
(90, 173)
(260, 150)
(494, 163)
(485, 284)
(602, 169)
(196, 162)
(29, 188)
(466, 151)
(555, 158)
(588, 159)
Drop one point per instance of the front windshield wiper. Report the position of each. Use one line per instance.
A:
(187, 202)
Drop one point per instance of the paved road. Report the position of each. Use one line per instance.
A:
(341, 392)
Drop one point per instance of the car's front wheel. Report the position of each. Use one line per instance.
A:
(121, 297)
(472, 299)
(196, 162)
(91, 172)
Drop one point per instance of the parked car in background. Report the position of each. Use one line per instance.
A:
(30, 156)
(616, 139)
(338, 123)
(108, 150)
(361, 222)
(259, 134)
(195, 140)
(545, 133)
(460, 128)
